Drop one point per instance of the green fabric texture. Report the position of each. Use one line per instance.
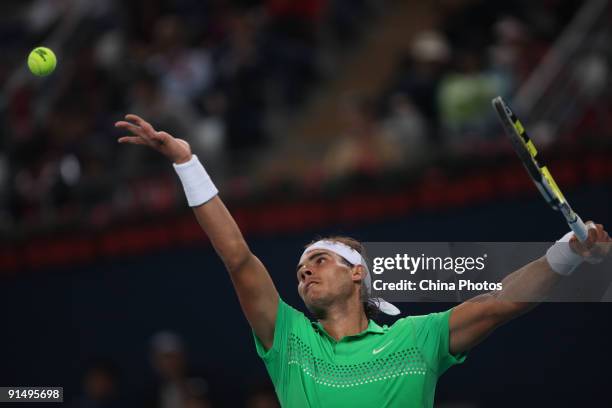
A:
(396, 366)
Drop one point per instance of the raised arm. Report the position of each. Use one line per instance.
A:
(472, 321)
(256, 291)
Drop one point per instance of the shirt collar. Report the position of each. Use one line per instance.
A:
(373, 327)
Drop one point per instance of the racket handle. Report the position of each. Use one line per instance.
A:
(579, 229)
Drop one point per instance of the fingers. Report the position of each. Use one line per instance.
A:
(137, 140)
(601, 248)
(184, 143)
(135, 118)
(591, 234)
(142, 129)
(135, 129)
(162, 137)
(577, 246)
(145, 130)
(140, 138)
(597, 232)
(144, 134)
(143, 124)
(130, 127)
(597, 245)
(602, 234)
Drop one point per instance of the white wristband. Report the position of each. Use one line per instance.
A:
(197, 184)
(561, 258)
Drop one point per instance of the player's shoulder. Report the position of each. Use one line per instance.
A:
(421, 322)
(292, 314)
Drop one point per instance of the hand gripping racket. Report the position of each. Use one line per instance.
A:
(540, 175)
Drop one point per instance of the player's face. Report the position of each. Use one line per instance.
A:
(323, 278)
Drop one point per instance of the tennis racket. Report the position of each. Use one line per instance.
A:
(540, 175)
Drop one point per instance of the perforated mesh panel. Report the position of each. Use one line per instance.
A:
(405, 362)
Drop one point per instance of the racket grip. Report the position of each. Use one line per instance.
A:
(579, 229)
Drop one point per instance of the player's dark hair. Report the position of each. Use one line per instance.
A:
(369, 306)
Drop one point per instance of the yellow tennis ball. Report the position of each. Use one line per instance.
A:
(41, 61)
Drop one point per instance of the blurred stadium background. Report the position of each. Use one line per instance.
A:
(362, 117)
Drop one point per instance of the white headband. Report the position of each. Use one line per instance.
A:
(354, 258)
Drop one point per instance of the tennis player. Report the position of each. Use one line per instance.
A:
(343, 358)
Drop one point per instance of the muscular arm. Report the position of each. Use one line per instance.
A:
(472, 321)
(256, 292)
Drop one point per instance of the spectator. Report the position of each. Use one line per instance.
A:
(419, 76)
(185, 72)
(176, 387)
(406, 128)
(243, 78)
(465, 99)
(361, 149)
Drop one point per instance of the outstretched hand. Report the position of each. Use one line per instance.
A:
(142, 133)
(597, 245)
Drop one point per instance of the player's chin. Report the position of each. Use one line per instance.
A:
(311, 297)
(315, 301)
(317, 308)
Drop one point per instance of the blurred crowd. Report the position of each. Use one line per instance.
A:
(174, 383)
(225, 75)
(436, 107)
(438, 102)
(216, 73)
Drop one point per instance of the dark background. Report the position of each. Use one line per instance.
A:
(368, 118)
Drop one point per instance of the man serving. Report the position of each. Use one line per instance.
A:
(343, 358)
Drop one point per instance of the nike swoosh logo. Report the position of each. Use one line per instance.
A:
(378, 350)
